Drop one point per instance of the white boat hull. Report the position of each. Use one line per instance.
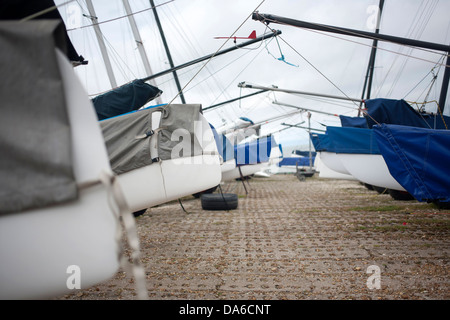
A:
(250, 169)
(370, 169)
(169, 180)
(332, 161)
(39, 247)
(246, 170)
(228, 165)
(325, 172)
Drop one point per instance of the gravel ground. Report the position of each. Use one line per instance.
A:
(288, 239)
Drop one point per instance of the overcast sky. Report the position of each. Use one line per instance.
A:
(318, 62)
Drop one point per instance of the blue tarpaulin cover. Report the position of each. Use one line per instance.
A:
(124, 99)
(355, 122)
(254, 152)
(224, 146)
(352, 140)
(292, 161)
(399, 112)
(321, 142)
(418, 158)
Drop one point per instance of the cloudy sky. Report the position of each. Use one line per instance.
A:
(313, 61)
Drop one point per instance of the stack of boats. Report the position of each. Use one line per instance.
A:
(393, 147)
(70, 179)
(75, 169)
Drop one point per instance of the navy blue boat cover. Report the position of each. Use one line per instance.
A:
(321, 142)
(355, 122)
(399, 112)
(254, 152)
(353, 140)
(293, 161)
(418, 158)
(126, 98)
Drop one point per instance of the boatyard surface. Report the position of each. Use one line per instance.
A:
(290, 239)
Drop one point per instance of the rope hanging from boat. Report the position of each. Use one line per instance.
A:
(119, 207)
(281, 53)
(438, 109)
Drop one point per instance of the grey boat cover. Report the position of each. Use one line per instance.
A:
(127, 137)
(35, 140)
(20, 9)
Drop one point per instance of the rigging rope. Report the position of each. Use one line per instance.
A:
(118, 18)
(368, 37)
(220, 48)
(282, 55)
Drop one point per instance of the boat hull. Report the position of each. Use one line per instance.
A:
(166, 180)
(334, 162)
(370, 169)
(42, 249)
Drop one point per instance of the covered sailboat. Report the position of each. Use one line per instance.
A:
(418, 158)
(254, 156)
(327, 162)
(155, 150)
(358, 152)
(59, 199)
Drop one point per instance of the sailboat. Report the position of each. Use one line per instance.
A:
(418, 158)
(60, 202)
(382, 126)
(254, 156)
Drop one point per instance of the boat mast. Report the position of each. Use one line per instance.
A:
(140, 44)
(306, 109)
(235, 47)
(101, 43)
(252, 86)
(169, 56)
(269, 18)
(234, 99)
(300, 127)
(445, 83)
(309, 133)
(371, 66)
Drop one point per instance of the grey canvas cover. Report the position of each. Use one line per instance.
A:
(128, 136)
(35, 141)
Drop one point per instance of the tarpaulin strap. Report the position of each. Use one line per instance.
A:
(119, 206)
(152, 133)
(148, 133)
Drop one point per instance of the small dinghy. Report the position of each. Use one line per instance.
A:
(254, 156)
(155, 150)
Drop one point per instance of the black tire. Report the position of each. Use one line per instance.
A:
(219, 201)
(401, 195)
(210, 190)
